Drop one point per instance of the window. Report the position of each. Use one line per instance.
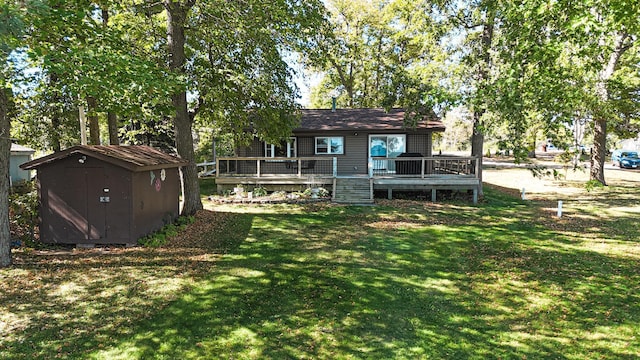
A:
(330, 145)
(285, 149)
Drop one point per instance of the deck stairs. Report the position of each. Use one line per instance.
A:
(353, 190)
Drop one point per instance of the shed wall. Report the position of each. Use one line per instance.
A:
(155, 200)
(85, 203)
(96, 202)
(15, 173)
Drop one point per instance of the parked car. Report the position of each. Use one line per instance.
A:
(625, 159)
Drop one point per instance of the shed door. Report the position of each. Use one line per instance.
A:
(83, 192)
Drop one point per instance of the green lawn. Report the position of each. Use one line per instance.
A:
(400, 280)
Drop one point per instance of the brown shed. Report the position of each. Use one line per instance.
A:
(106, 194)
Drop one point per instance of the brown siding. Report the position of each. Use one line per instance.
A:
(419, 143)
(356, 149)
(306, 146)
(72, 211)
(153, 205)
(354, 159)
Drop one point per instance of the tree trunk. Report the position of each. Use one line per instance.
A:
(599, 153)
(477, 144)
(5, 154)
(94, 125)
(599, 150)
(477, 139)
(112, 122)
(176, 19)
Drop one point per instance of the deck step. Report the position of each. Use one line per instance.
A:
(353, 191)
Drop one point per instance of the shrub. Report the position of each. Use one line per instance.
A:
(160, 237)
(320, 192)
(260, 191)
(592, 185)
(23, 213)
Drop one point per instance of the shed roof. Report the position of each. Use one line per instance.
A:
(131, 157)
(362, 119)
(15, 148)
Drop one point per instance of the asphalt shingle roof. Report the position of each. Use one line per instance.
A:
(361, 119)
(133, 157)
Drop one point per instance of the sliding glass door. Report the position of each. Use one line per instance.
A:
(388, 146)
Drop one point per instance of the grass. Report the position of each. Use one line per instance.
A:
(401, 280)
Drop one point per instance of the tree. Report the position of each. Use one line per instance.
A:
(583, 53)
(85, 57)
(177, 13)
(228, 56)
(383, 54)
(231, 55)
(616, 30)
(10, 32)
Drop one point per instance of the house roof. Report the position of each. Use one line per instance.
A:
(15, 148)
(362, 119)
(132, 157)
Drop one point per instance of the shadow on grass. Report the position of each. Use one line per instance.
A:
(381, 283)
(66, 303)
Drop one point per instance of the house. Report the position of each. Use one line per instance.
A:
(19, 155)
(106, 194)
(352, 152)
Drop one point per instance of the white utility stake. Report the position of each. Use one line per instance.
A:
(559, 208)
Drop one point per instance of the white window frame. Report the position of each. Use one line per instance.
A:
(329, 138)
(292, 148)
(404, 141)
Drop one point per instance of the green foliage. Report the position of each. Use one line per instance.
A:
(385, 54)
(317, 191)
(593, 185)
(207, 186)
(242, 79)
(160, 237)
(543, 171)
(259, 191)
(23, 213)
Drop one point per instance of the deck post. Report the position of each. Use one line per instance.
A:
(423, 164)
(433, 195)
(258, 167)
(299, 167)
(371, 189)
(390, 193)
(335, 183)
(475, 196)
(370, 167)
(335, 166)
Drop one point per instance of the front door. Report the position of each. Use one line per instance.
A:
(388, 146)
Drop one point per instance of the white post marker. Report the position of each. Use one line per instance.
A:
(559, 208)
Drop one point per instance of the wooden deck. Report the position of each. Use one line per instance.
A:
(397, 174)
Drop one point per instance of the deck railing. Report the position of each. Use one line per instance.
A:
(423, 167)
(276, 166)
(410, 167)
